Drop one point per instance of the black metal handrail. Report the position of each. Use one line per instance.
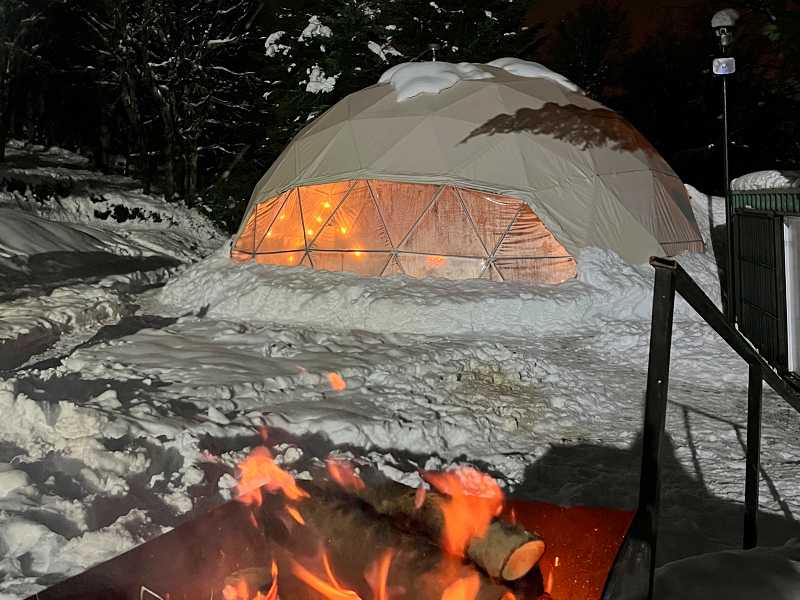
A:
(633, 573)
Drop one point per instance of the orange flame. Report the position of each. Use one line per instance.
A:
(337, 382)
(474, 499)
(331, 589)
(295, 514)
(240, 591)
(343, 473)
(465, 588)
(378, 574)
(419, 496)
(258, 470)
(272, 593)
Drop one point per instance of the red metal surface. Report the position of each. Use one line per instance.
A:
(585, 540)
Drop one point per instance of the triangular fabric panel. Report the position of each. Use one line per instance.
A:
(530, 238)
(286, 232)
(419, 148)
(355, 225)
(445, 229)
(401, 205)
(674, 229)
(491, 214)
(318, 203)
(265, 217)
(363, 263)
(445, 267)
(246, 240)
(615, 227)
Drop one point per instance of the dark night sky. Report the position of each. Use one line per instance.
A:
(648, 16)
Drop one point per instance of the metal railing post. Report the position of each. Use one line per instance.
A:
(754, 389)
(655, 410)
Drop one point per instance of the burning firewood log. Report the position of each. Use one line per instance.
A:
(355, 538)
(503, 550)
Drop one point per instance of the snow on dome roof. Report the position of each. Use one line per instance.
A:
(526, 68)
(413, 78)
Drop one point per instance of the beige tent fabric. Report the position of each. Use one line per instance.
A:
(377, 228)
(585, 171)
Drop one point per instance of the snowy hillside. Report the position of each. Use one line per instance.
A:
(126, 404)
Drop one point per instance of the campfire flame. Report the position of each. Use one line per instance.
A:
(343, 473)
(337, 382)
(468, 499)
(378, 574)
(474, 499)
(465, 588)
(258, 470)
(331, 589)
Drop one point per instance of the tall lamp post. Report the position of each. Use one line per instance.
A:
(722, 23)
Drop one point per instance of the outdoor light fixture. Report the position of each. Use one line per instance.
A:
(723, 23)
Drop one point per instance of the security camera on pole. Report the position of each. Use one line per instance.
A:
(723, 23)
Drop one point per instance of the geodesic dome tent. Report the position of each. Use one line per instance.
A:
(500, 171)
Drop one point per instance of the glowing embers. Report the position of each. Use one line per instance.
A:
(382, 228)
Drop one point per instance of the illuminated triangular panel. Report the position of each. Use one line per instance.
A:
(445, 228)
(446, 267)
(528, 237)
(491, 214)
(284, 259)
(286, 232)
(267, 211)
(355, 225)
(401, 205)
(363, 263)
(318, 203)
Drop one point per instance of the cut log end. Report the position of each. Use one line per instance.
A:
(522, 560)
(506, 551)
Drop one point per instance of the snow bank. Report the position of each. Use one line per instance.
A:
(606, 289)
(413, 78)
(765, 180)
(55, 184)
(25, 234)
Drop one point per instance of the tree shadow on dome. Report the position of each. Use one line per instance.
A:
(586, 128)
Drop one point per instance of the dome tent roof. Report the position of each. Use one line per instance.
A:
(585, 171)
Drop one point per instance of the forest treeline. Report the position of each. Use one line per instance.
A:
(197, 97)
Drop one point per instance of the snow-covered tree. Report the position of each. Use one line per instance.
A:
(329, 48)
(176, 64)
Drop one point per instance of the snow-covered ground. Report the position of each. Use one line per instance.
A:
(132, 416)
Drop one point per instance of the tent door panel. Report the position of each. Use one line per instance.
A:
(760, 293)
